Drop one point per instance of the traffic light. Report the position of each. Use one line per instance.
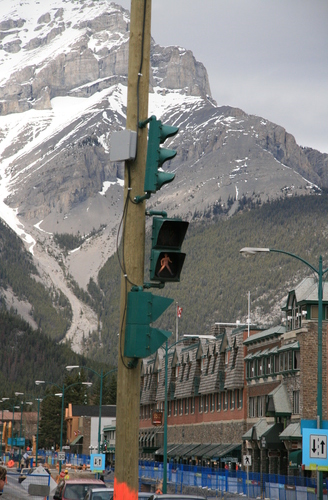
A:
(166, 258)
(142, 340)
(156, 156)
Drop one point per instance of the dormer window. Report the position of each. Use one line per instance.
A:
(314, 312)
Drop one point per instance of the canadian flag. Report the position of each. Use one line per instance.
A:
(179, 311)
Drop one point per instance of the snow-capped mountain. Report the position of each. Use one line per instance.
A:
(62, 94)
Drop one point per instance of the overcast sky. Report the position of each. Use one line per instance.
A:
(267, 57)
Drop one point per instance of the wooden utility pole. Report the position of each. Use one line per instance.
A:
(133, 250)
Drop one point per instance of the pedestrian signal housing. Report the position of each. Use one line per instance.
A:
(166, 259)
(143, 308)
(156, 156)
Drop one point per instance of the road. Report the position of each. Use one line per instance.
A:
(13, 490)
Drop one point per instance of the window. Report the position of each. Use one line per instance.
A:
(200, 403)
(261, 406)
(214, 362)
(314, 312)
(232, 400)
(175, 407)
(276, 363)
(269, 367)
(192, 405)
(297, 360)
(182, 372)
(180, 406)
(225, 400)
(251, 407)
(240, 398)
(205, 403)
(235, 352)
(169, 406)
(187, 406)
(218, 401)
(296, 402)
(260, 367)
(208, 365)
(212, 402)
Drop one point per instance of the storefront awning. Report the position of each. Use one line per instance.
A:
(278, 403)
(295, 459)
(270, 439)
(187, 451)
(77, 440)
(292, 432)
(223, 450)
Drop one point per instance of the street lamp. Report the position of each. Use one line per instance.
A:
(62, 395)
(13, 423)
(37, 432)
(211, 337)
(101, 375)
(320, 272)
(20, 428)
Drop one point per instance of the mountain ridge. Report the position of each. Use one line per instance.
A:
(63, 94)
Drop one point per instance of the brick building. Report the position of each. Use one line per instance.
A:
(206, 400)
(243, 393)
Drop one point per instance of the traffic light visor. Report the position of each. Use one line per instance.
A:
(168, 233)
(167, 131)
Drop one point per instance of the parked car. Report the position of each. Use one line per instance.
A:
(99, 494)
(76, 489)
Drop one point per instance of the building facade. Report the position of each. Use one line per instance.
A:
(207, 407)
(83, 426)
(242, 392)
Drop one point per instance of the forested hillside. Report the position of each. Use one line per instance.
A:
(216, 278)
(27, 355)
(215, 281)
(50, 308)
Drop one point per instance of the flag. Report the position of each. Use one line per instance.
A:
(179, 311)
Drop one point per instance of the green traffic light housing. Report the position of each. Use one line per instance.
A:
(156, 156)
(166, 259)
(143, 308)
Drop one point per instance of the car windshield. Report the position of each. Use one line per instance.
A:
(101, 495)
(76, 491)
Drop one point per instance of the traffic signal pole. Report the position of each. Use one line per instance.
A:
(132, 256)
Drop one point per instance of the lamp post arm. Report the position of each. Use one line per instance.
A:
(298, 258)
(109, 372)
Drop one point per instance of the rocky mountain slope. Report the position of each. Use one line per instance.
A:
(63, 93)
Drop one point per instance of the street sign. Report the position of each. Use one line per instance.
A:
(314, 449)
(318, 446)
(247, 460)
(61, 455)
(97, 462)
